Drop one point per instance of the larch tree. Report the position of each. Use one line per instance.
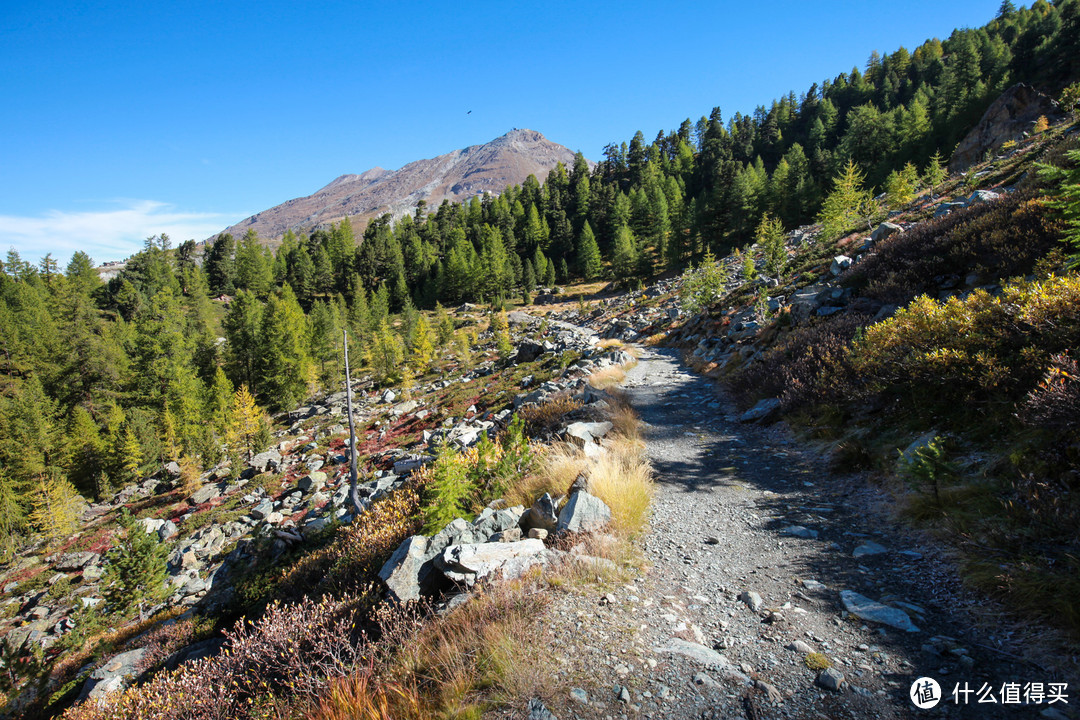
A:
(770, 238)
(846, 205)
(246, 419)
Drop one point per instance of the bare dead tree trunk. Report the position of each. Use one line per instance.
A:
(354, 498)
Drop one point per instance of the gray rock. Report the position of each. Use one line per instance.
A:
(800, 532)
(1007, 118)
(527, 351)
(151, 525)
(167, 531)
(406, 466)
(869, 548)
(114, 675)
(584, 433)
(866, 609)
(541, 515)
(311, 481)
(172, 468)
(389, 396)
(537, 711)
(262, 510)
(76, 561)
(764, 410)
(579, 695)
(830, 679)
(265, 461)
(982, 196)
(401, 572)
(885, 230)
(583, 513)
(698, 653)
(205, 494)
(751, 599)
(800, 647)
(840, 263)
(483, 559)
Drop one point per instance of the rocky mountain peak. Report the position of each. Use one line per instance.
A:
(455, 176)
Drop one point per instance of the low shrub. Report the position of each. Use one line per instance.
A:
(548, 417)
(1001, 239)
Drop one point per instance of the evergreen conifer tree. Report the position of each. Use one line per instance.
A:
(770, 238)
(845, 206)
(589, 263)
(135, 569)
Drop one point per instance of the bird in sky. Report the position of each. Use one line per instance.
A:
(469, 113)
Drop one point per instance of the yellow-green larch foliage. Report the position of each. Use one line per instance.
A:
(245, 421)
(847, 204)
(386, 353)
(56, 507)
(131, 455)
(770, 238)
(423, 344)
(500, 328)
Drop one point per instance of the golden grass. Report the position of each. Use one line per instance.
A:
(363, 697)
(611, 344)
(608, 377)
(558, 466)
(622, 416)
(622, 478)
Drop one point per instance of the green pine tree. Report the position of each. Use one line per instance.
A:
(589, 263)
(135, 569)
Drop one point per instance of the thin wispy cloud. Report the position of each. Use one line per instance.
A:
(111, 234)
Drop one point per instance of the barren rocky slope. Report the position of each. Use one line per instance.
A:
(455, 176)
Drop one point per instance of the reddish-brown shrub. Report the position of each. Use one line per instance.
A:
(996, 240)
(792, 370)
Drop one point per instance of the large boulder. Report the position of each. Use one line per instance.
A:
(884, 230)
(583, 513)
(401, 572)
(1007, 118)
(585, 433)
(76, 561)
(266, 461)
(205, 494)
(469, 563)
(527, 351)
(116, 674)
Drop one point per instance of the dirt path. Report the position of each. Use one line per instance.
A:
(728, 497)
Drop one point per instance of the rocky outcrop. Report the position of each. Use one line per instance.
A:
(1007, 118)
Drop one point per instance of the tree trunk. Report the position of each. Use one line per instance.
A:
(354, 498)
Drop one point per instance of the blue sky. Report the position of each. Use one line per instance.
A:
(126, 119)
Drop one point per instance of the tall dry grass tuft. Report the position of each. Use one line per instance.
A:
(362, 696)
(622, 416)
(608, 377)
(481, 655)
(622, 478)
(557, 467)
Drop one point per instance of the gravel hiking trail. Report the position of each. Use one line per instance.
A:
(753, 550)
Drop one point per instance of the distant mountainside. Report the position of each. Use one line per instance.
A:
(458, 175)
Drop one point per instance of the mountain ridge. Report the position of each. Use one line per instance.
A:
(457, 175)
